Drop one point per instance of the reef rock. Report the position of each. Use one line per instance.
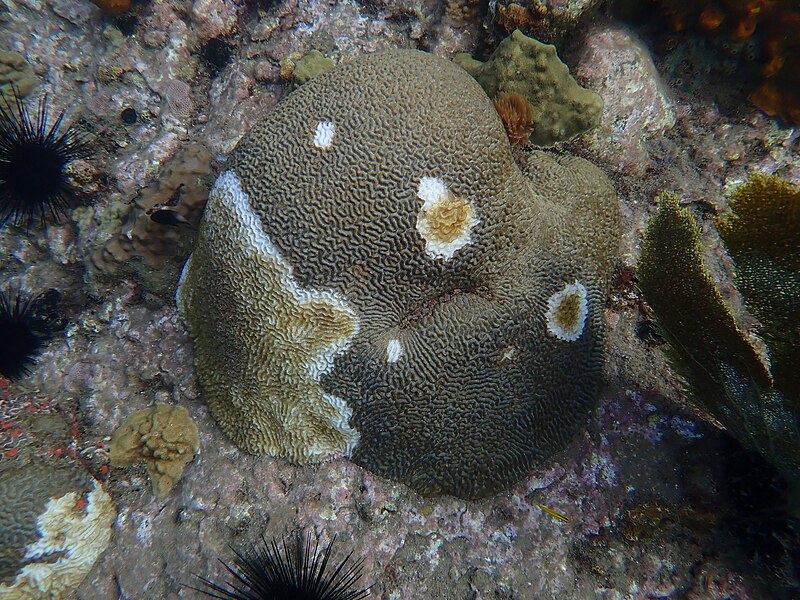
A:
(637, 106)
(374, 275)
(152, 234)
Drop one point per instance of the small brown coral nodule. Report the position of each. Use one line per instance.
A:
(517, 117)
(164, 437)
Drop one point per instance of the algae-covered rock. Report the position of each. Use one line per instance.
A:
(55, 522)
(16, 75)
(549, 20)
(375, 275)
(310, 65)
(521, 65)
(152, 236)
(164, 437)
(754, 396)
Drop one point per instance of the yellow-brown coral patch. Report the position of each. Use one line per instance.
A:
(567, 311)
(164, 437)
(448, 220)
(445, 220)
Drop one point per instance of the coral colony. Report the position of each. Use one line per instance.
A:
(726, 372)
(465, 317)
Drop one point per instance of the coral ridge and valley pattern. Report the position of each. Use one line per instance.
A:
(375, 275)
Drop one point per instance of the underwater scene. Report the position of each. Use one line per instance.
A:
(399, 299)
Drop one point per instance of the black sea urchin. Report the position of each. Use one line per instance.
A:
(21, 336)
(293, 571)
(33, 160)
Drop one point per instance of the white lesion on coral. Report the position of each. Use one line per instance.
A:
(73, 533)
(567, 310)
(394, 350)
(510, 352)
(179, 300)
(341, 423)
(322, 361)
(445, 221)
(323, 134)
(317, 326)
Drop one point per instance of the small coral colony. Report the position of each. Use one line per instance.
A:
(520, 314)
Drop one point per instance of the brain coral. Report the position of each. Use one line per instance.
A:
(375, 275)
(54, 524)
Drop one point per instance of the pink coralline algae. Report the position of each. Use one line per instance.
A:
(637, 105)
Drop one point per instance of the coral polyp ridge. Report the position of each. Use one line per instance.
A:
(34, 154)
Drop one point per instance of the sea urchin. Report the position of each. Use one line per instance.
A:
(33, 159)
(21, 336)
(293, 571)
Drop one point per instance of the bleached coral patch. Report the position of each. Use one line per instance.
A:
(323, 134)
(445, 220)
(73, 533)
(567, 310)
(306, 329)
(394, 350)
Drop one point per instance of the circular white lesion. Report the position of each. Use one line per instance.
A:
(567, 310)
(445, 221)
(509, 353)
(323, 134)
(394, 350)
